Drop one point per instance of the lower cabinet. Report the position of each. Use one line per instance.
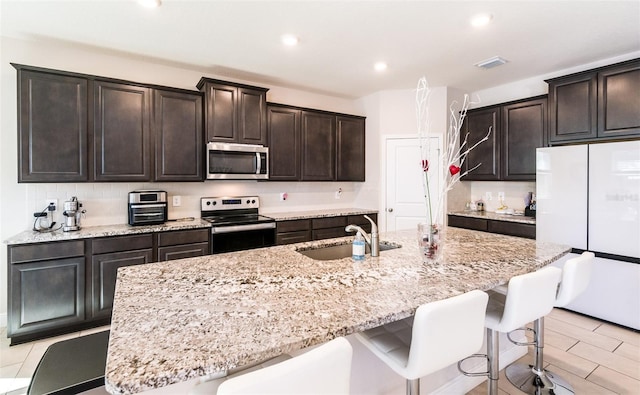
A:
(46, 287)
(301, 230)
(183, 244)
(109, 254)
(493, 226)
(65, 286)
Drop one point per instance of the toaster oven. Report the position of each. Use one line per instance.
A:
(147, 207)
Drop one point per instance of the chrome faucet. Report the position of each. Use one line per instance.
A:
(372, 240)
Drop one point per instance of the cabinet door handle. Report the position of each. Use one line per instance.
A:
(390, 210)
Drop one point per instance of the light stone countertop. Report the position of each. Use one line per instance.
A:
(336, 212)
(496, 217)
(178, 320)
(30, 236)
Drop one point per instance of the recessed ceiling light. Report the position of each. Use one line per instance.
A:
(380, 66)
(150, 3)
(290, 40)
(481, 20)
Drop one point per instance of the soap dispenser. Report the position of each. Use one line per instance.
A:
(357, 252)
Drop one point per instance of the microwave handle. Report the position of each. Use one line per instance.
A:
(258, 163)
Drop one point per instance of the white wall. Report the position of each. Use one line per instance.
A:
(106, 202)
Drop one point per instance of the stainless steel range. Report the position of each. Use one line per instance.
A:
(236, 223)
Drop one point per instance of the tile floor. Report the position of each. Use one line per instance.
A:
(594, 356)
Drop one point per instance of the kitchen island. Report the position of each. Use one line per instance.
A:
(178, 320)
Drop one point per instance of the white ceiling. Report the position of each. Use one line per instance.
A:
(341, 40)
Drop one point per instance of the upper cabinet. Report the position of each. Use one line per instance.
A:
(485, 156)
(318, 146)
(52, 127)
(234, 113)
(350, 148)
(178, 134)
(284, 143)
(312, 145)
(596, 104)
(517, 129)
(137, 132)
(121, 132)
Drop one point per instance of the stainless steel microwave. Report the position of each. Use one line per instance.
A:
(237, 162)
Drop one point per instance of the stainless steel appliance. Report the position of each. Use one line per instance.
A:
(237, 161)
(72, 214)
(147, 207)
(236, 224)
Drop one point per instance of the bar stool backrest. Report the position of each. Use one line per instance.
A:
(576, 274)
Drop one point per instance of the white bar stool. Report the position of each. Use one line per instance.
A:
(529, 297)
(534, 379)
(324, 370)
(439, 334)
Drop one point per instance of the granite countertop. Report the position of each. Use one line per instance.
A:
(30, 236)
(336, 212)
(496, 217)
(178, 320)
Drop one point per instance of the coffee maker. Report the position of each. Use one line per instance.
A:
(72, 214)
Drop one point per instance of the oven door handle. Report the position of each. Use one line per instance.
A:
(161, 205)
(241, 228)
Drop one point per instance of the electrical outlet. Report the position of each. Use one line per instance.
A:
(488, 196)
(177, 201)
(54, 202)
(501, 196)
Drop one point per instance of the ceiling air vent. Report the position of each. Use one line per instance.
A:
(491, 62)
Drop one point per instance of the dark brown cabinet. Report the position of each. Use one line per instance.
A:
(493, 226)
(179, 142)
(309, 145)
(293, 231)
(318, 153)
(599, 104)
(183, 244)
(109, 254)
(517, 129)
(121, 130)
(46, 287)
(350, 148)
(524, 128)
(234, 113)
(52, 127)
(485, 156)
(318, 228)
(284, 143)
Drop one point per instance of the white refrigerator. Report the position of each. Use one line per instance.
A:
(588, 196)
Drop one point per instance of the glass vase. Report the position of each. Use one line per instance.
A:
(430, 241)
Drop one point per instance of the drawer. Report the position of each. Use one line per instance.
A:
(513, 229)
(121, 243)
(293, 226)
(328, 222)
(468, 222)
(182, 251)
(184, 237)
(293, 237)
(329, 233)
(46, 251)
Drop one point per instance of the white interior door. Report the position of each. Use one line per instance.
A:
(405, 201)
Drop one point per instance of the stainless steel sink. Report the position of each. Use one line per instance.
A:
(339, 251)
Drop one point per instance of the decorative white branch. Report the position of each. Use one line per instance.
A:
(454, 153)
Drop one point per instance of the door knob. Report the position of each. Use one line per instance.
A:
(390, 210)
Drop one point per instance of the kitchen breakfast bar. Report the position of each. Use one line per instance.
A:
(178, 320)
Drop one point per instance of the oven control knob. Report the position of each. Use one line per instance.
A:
(253, 201)
(208, 203)
(214, 202)
(248, 201)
